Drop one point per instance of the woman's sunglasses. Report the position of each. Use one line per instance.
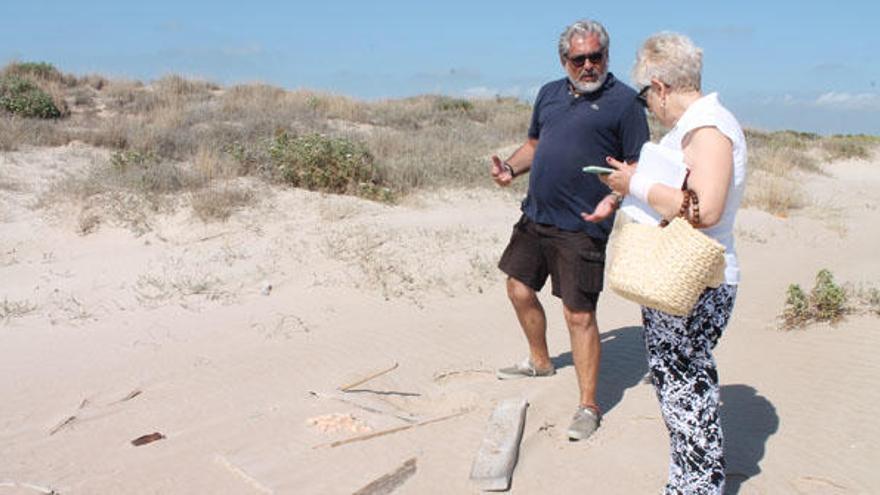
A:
(643, 95)
(580, 60)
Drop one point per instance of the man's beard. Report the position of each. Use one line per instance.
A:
(589, 87)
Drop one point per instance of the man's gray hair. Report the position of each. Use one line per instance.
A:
(671, 58)
(582, 27)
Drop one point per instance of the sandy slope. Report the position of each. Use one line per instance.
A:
(168, 331)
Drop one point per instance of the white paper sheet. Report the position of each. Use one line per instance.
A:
(662, 165)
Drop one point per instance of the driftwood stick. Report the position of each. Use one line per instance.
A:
(69, 420)
(131, 395)
(214, 236)
(389, 431)
(368, 378)
(389, 482)
(41, 489)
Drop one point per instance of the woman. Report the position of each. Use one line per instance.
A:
(667, 70)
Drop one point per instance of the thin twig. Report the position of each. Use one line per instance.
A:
(368, 378)
(42, 489)
(214, 236)
(59, 426)
(131, 395)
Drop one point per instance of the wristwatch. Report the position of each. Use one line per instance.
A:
(509, 169)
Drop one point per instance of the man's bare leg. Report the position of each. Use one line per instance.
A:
(586, 351)
(531, 317)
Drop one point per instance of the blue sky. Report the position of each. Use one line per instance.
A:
(777, 64)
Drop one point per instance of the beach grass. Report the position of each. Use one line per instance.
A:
(183, 135)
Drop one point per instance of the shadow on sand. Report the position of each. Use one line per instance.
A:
(748, 420)
(623, 364)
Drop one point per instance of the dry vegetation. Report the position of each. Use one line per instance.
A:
(776, 158)
(177, 135)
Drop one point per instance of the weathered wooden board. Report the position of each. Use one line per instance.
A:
(496, 458)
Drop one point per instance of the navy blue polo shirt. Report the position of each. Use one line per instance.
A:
(572, 132)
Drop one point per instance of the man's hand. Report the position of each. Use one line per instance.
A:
(603, 210)
(500, 174)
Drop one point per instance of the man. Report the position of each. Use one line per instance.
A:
(576, 121)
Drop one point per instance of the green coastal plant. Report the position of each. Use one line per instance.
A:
(448, 104)
(39, 70)
(797, 306)
(329, 164)
(24, 98)
(124, 160)
(828, 298)
(827, 301)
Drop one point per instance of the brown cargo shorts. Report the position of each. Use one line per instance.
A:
(574, 261)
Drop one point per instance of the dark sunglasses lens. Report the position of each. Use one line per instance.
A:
(578, 61)
(643, 95)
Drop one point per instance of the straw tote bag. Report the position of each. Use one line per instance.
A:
(666, 267)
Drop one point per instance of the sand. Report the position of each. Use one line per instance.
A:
(232, 339)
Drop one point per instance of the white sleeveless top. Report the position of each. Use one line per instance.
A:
(708, 112)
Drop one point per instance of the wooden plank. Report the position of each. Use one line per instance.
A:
(496, 458)
(389, 482)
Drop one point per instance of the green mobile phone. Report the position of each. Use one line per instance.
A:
(592, 169)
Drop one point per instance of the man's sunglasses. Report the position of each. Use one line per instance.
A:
(580, 60)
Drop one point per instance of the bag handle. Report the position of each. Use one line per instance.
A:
(690, 204)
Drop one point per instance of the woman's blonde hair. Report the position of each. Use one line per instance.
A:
(670, 57)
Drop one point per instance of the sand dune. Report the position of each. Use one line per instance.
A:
(228, 338)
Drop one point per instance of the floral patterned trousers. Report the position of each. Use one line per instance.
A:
(686, 381)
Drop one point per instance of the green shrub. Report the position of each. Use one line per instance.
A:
(321, 163)
(125, 160)
(826, 302)
(39, 70)
(828, 298)
(797, 306)
(22, 97)
(447, 104)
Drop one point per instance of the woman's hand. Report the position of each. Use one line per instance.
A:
(619, 181)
